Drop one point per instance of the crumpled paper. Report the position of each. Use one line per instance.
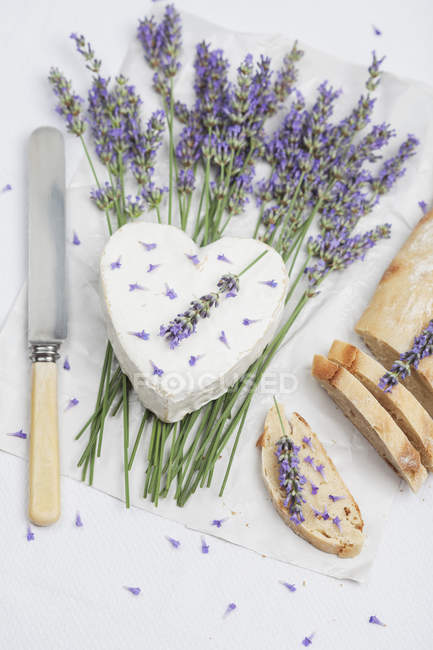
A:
(249, 518)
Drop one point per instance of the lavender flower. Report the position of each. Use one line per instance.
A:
(230, 608)
(69, 103)
(288, 586)
(72, 402)
(269, 283)
(422, 347)
(314, 488)
(144, 336)
(174, 542)
(75, 239)
(223, 338)
(18, 434)
(66, 364)
(309, 460)
(308, 640)
(204, 546)
(78, 521)
(147, 247)
(194, 258)
(116, 265)
(152, 267)
(337, 521)
(291, 480)
(423, 206)
(170, 293)
(218, 522)
(30, 534)
(222, 258)
(135, 591)
(335, 498)
(6, 188)
(228, 283)
(321, 469)
(161, 42)
(185, 181)
(307, 440)
(136, 287)
(194, 358)
(248, 321)
(156, 371)
(376, 621)
(376, 31)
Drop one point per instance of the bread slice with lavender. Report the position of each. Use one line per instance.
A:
(407, 412)
(402, 306)
(371, 419)
(305, 487)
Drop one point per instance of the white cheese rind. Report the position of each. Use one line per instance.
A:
(184, 388)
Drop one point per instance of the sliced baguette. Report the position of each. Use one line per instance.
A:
(407, 412)
(402, 306)
(321, 533)
(371, 419)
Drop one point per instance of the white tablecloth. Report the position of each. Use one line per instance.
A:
(64, 589)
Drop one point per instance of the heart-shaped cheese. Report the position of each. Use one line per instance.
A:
(150, 273)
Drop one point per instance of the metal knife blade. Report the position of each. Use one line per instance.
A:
(46, 212)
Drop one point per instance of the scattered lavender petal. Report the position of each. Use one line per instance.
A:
(66, 364)
(170, 293)
(222, 337)
(288, 586)
(377, 31)
(72, 402)
(309, 460)
(337, 521)
(18, 434)
(231, 294)
(156, 370)
(144, 336)
(135, 591)
(194, 258)
(308, 640)
(249, 321)
(174, 542)
(325, 514)
(320, 468)
(376, 621)
(30, 534)
(136, 287)
(423, 206)
(314, 488)
(335, 498)
(147, 247)
(223, 258)
(194, 358)
(116, 265)
(78, 521)
(218, 522)
(230, 608)
(307, 441)
(76, 240)
(152, 267)
(204, 546)
(7, 188)
(269, 283)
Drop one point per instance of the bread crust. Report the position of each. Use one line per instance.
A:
(371, 419)
(321, 533)
(403, 407)
(402, 306)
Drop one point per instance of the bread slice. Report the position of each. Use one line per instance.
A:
(344, 538)
(371, 419)
(402, 306)
(407, 412)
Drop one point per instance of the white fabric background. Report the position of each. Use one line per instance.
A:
(64, 589)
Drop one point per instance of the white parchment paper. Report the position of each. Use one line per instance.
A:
(250, 520)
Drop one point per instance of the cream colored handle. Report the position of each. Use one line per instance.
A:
(44, 480)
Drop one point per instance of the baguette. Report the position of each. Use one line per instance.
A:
(406, 411)
(371, 419)
(402, 306)
(345, 539)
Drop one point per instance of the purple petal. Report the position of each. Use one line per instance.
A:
(335, 498)
(30, 535)
(156, 370)
(249, 321)
(222, 337)
(307, 441)
(76, 240)
(152, 267)
(6, 188)
(116, 265)
(269, 283)
(144, 336)
(78, 521)
(72, 402)
(194, 258)
(288, 586)
(66, 364)
(204, 546)
(308, 640)
(147, 247)
(309, 460)
(314, 488)
(174, 542)
(223, 258)
(337, 522)
(170, 293)
(376, 621)
(377, 31)
(423, 206)
(136, 287)
(230, 608)
(18, 434)
(135, 591)
(194, 358)
(218, 522)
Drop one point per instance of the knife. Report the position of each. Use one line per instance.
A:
(47, 317)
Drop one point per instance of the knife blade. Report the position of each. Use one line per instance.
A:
(47, 315)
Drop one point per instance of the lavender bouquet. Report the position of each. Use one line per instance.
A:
(320, 171)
